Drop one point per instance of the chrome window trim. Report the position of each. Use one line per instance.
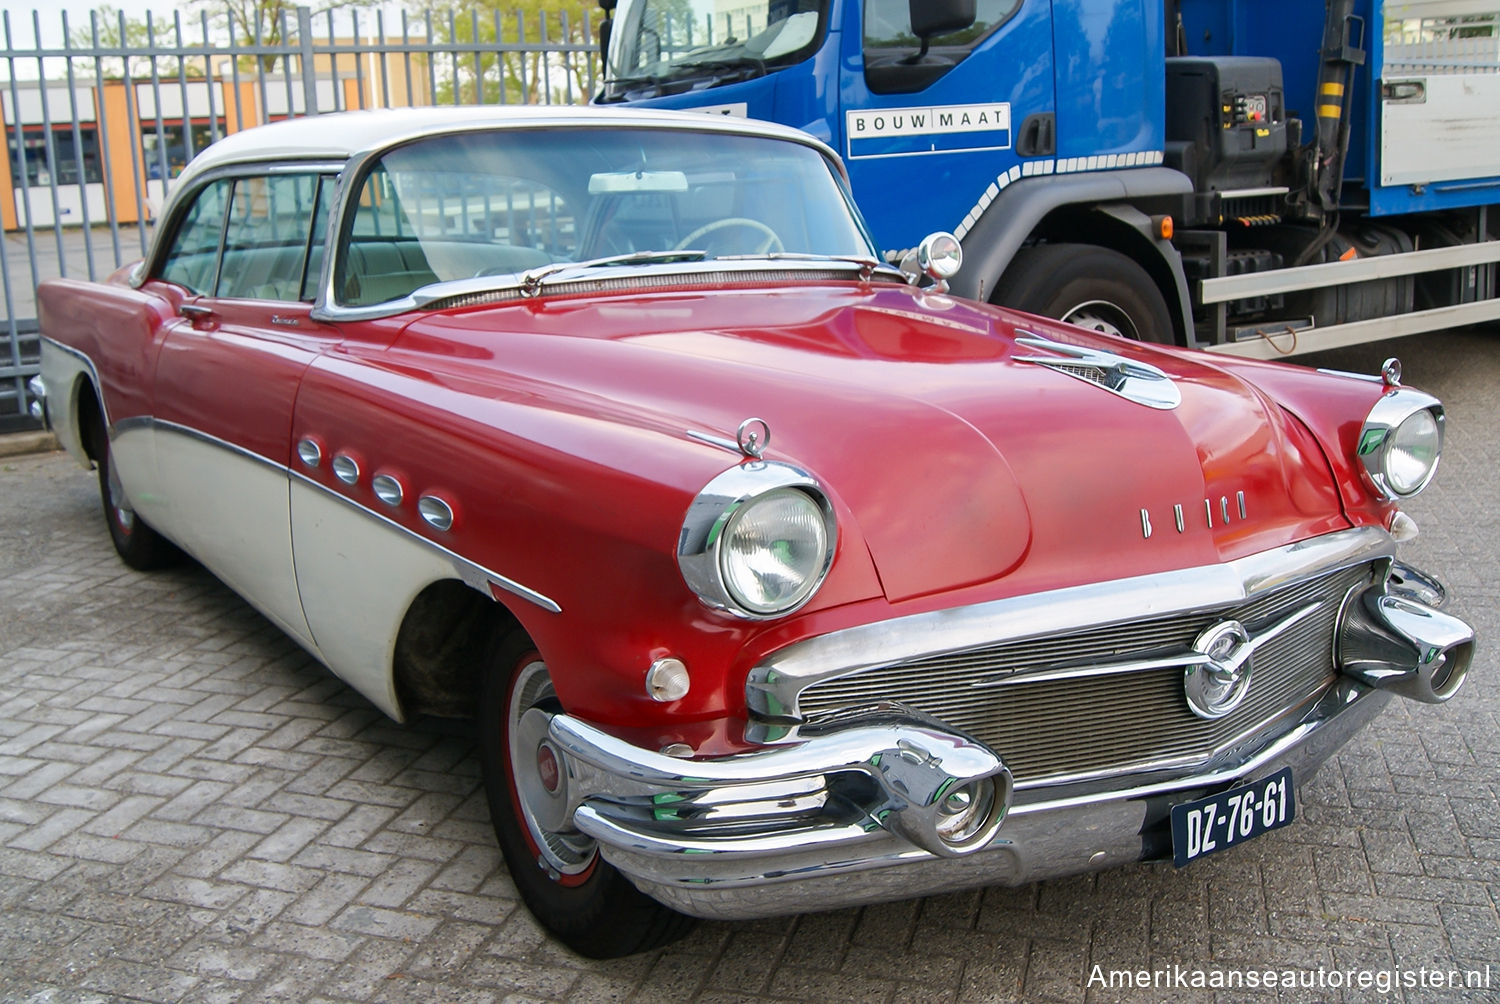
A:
(180, 198)
(327, 306)
(774, 686)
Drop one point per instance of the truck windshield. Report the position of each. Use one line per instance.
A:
(663, 46)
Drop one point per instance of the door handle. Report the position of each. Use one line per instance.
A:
(195, 310)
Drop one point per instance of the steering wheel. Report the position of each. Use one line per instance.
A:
(772, 243)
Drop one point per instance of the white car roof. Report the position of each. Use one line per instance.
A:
(340, 135)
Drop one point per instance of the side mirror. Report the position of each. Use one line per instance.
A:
(939, 257)
(939, 17)
(605, 27)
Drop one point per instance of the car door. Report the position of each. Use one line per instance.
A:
(227, 379)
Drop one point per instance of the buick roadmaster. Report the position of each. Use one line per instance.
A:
(774, 577)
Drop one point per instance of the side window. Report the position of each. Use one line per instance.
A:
(891, 47)
(193, 259)
(268, 237)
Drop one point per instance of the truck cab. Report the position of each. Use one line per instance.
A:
(1109, 162)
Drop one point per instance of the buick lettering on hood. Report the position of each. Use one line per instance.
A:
(773, 577)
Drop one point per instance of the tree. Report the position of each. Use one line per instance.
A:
(263, 22)
(108, 28)
(480, 74)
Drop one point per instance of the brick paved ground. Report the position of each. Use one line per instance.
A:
(191, 810)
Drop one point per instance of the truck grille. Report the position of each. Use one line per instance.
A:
(1116, 722)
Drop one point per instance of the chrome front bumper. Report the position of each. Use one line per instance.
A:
(861, 807)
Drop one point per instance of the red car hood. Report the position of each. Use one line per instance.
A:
(956, 462)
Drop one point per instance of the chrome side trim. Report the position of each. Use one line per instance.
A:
(474, 575)
(774, 686)
(161, 425)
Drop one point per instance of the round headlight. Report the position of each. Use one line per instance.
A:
(774, 550)
(1401, 442)
(1411, 455)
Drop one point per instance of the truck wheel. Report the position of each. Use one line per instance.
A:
(567, 885)
(1089, 286)
(138, 545)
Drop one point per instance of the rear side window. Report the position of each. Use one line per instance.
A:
(891, 66)
(258, 237)
(193, 261)
(268, 237)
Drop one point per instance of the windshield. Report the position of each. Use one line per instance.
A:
(506, 202)
(657, 43)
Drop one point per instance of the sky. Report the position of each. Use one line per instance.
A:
(78, 16)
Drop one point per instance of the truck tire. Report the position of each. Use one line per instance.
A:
(1089, 286)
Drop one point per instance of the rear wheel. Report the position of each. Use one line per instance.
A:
(567, 885)
(1089, 286)
(138, 545)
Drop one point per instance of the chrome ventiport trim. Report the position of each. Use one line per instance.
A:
(773, 687)
(309, 452)
(472, 574)
(346, 468)
(387, 489)
(437, 513)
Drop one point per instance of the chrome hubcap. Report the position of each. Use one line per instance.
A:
(123, 514)
(540, 778)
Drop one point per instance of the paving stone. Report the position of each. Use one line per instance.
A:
(192, 810)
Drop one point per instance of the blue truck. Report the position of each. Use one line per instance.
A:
(1255, 177)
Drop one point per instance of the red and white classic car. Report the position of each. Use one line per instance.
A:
(774, 581)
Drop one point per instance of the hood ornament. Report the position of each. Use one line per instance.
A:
(753, 436)
(1127, 378)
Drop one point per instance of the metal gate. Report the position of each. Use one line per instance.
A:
(99, 118)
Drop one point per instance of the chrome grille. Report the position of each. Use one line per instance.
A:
(1059, 728)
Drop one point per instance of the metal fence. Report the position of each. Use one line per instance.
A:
(100, 117)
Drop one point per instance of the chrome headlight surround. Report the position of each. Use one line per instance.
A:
(721, 507)
(1403, 425)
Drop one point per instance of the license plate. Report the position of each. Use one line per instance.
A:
(1231, 817)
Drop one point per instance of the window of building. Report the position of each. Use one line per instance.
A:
(74, 162)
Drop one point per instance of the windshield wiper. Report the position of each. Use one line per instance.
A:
(725, 63)
(532, 281)
(867, 265)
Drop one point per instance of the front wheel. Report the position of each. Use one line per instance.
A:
(577, 895)
(1089, 286)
